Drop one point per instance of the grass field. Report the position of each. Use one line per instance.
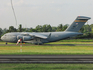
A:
(77, 40)
(57, 43)
(70, 43)
(46, 66)
(39, 49)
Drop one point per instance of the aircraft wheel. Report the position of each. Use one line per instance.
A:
(40, 43)
(6, 43)
(36, 43)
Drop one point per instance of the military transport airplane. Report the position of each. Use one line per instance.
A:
(45, 37)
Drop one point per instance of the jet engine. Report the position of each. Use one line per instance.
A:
(27, 38)
(24, 38)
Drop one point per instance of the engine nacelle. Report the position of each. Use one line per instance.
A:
(19, 37)
(27, 38)
(24, 38)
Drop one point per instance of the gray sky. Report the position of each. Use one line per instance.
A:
(31, 13)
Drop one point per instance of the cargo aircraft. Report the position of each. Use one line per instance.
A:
(45, 37)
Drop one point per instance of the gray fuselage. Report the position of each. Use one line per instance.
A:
(54, 36)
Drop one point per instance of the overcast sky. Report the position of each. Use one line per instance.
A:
(31, 13)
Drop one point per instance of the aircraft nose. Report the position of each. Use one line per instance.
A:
(2, 38)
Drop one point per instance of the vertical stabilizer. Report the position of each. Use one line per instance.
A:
(78, 23)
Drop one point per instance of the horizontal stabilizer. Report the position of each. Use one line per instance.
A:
(83, 18)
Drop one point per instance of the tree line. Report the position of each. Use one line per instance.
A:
(86, 29)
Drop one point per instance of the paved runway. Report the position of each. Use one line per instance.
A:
(46, 58)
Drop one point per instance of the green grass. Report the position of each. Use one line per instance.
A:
(56, 43)
(77, 40)
(46, 66)
(5, 43)
(31, 50)
(42, 49)
(70, 43)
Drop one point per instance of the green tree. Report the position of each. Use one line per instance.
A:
(33, 30)
(65, 27)
(39, 28)
(20, 28)
(91, 27)
(49, 28)
(46, 28)
(60, 27)
(12, 29)
(0, 32)
(4, 31)
(54, 29)
(87, 28)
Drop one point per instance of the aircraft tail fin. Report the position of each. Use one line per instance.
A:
(78, 23)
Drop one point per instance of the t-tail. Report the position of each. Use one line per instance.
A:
(78, 23)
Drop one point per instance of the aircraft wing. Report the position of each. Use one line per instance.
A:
(35, 35)
(39, 35)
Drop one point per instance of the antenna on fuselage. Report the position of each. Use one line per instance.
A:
(14, 12)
